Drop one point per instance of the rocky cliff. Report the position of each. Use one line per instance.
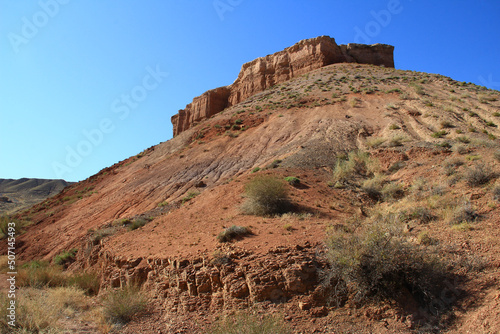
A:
(264, 72)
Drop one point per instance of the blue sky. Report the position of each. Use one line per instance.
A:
(85, 84)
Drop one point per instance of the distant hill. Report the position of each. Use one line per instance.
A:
(22, 193)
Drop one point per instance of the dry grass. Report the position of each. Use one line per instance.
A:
(250, 323)
(41, 310)
(121, 305)
(39, 274)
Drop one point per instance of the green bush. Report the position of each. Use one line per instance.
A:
(266, 195)
(120, 305)
(292, 180)
(248, 323)
(232, 233)
(65, 258)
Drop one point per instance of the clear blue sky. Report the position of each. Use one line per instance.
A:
(67, 66)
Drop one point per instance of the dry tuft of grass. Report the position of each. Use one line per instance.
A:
(121, 305)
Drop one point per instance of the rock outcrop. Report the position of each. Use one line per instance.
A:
(265, 72)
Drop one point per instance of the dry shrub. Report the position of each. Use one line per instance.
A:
(249, 323)
(357, 164)
(120, 305)
(479, 175)
(373, 187)
(463, 213)
(377, 262)
(422, 214)
(266, 195)
(392, 191)
(232, 233)
(496, 193)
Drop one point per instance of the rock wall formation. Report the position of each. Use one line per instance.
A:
(264, 72)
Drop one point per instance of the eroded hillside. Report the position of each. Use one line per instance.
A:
(154, 218)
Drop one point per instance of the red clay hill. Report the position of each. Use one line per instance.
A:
(357, 145)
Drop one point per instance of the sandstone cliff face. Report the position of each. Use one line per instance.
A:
(264, 72)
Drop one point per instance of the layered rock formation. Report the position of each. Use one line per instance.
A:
(264, 72)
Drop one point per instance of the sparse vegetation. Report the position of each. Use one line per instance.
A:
(232, 233)
(422, 214)
(373, 187)
(190, 195)
(396, 141)
(424, 238)
(88, 281)
(266, 195)
(392, 191)
(39, 311)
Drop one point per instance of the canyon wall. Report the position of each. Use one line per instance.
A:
(265, 72)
